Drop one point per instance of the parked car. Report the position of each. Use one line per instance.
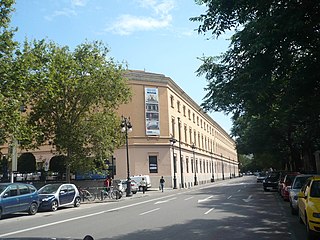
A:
(286, 184)
(18, 197)
(134, 186)
(271, 181)
(261, 176)
(297, 184)
(309, 206)
(53, 196)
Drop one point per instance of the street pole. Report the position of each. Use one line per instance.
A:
(194, 163)
(125, 127)
(181, 163)
(173, 141)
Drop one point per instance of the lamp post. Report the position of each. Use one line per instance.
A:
(195, 166)
(212, 170)
(181, 163)
(125, 128)
(222, 167)
(14, 154)
(173, 141)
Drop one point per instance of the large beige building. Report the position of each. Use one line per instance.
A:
(161, 111)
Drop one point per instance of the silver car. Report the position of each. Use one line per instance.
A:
(298, 182)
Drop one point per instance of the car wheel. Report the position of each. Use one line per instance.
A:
(265, 189)
(300, 217)
(33, 209)
(77, 202)
(134, 192)
(310, 233)
(140, 189)
(54, 205)
(293, 211)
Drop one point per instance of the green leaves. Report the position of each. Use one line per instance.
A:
(268, 77)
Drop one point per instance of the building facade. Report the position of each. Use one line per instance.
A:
(172, 137)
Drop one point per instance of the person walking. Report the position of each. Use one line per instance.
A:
(143, 184)
(162, 181)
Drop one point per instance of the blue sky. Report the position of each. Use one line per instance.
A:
(151, 35)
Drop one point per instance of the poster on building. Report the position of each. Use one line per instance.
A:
(152, 111)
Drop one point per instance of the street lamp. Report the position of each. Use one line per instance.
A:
(222, 167)
(173, 141)
(181, 163)
(125, 128)
(212, 170)
(195, 166)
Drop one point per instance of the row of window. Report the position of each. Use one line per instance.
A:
(201, 166)
(198, 139)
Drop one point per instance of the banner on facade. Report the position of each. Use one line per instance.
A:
(152, 111)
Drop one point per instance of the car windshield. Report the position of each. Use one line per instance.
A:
(315, 189)
(3, 187)
(49, 189)
(299, 182)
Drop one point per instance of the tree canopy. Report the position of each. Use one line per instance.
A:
(268, 79)
(50, 94)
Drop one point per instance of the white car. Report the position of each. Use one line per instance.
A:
(56, 195)
(297, 183)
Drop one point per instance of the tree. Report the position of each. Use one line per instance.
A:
(74, 98)
(268, 78)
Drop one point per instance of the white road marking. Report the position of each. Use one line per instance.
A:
(229, 197)
(208, 211)
(188, 198)
(165, 201)
(249, 199)
(205, 199)
(153, 210)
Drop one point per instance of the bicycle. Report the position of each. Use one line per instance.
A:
(86, 195)
(110, 193)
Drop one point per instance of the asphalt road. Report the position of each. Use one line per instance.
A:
(230, 209)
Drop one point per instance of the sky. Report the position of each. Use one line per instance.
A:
(151, 35)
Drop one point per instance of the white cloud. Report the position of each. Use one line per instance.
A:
(161, 18)
(80, 3)
(128, 24)
(64, 12)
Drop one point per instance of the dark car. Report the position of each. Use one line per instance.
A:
(53, 196)
(271, 181)
(18, 197)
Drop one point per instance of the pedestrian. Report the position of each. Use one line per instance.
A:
(162, 181)
(143, 184)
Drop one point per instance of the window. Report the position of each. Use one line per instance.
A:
(171, 101)
(178, 106)
(197, 120)
(185, 134)
(184, 110)
(13, 191)
(192, 169)
(189, 114)
(173, 127)
(190, 135)
(194, 117)
(153, 164)
(187, 164)
(24, 189)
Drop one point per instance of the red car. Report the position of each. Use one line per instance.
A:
(286, 184)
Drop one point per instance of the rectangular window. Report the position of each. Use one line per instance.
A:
(171, 101)
(153, 164)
